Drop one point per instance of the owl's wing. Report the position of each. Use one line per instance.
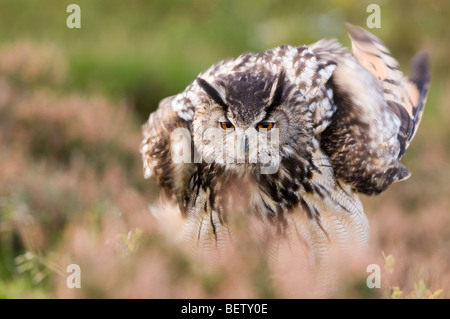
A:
(378, 111)
(166, 148)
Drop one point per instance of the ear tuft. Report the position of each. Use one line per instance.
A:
(212, 92)
(327, 71)
(324, 72)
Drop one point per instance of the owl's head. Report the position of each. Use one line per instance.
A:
(254, 115)
(242, 121)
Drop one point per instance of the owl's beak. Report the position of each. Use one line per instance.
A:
(245, 144)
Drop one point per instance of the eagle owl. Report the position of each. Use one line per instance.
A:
(289, 136)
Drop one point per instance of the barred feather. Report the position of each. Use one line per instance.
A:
(378, 111)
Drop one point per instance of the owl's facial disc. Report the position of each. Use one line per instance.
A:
(247, 98)
(245, 114)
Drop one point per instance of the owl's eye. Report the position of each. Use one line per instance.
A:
(264, 126)
(226, 125)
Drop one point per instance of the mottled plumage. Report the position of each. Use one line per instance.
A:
(290, 136)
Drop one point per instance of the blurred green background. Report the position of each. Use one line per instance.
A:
(80, 121)
(146, 50)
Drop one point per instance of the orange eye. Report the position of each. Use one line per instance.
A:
(226, 125)
(264, 126)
